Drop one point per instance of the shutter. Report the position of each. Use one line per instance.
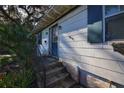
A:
(95, 31)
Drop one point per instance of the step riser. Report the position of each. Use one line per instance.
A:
(58, 80)
(51, 74)
(60, 84)
(71, 85)
(52, 66)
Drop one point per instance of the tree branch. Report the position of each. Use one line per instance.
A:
(7, 15)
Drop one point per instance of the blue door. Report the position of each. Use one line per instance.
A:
(54, 41)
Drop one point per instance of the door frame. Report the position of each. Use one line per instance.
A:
(50, 41)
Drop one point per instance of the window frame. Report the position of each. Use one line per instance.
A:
(118, 9)
(104, 21)
(119, 12)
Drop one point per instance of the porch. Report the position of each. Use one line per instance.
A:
(51, 73)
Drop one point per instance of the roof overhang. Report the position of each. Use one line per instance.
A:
(53, 15)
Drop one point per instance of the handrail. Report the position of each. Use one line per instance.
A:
(41, 51)
(43, 58)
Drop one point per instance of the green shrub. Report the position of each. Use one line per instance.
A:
(7, 81)
(5, 61)
(14, 39)
(22, 79)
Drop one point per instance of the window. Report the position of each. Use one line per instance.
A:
(111, 9)
(121, 7)
(114, 20)
(115, 27)
(95, 24)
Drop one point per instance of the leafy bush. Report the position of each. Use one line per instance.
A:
(14, 39)
(21, 79)
(5, 60)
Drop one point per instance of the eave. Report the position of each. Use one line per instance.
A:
(53, 15)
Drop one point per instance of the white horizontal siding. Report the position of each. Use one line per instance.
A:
(115, 66)
(98, 53)
(105, 73)
(73, 14)
(102, 72)
(73, 25)
(99, 59)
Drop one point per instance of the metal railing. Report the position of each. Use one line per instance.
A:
(42, 57)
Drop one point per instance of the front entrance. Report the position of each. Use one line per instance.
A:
(54, 41)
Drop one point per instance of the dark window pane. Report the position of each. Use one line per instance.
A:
(115, 27)
(95, 32)
(122, 7)
(95, 24)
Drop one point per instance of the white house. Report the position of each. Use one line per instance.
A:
(81, 37)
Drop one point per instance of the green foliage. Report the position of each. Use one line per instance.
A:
(7, 81)
(21, 79)
(25, 78)
(14, 39)
(5, 61)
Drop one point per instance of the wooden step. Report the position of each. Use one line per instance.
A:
(54, 71)
(53, 65)
(39, 82)
(56, 78)
(68, 82)
(78, 86)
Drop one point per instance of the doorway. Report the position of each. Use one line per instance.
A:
(54, 41)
